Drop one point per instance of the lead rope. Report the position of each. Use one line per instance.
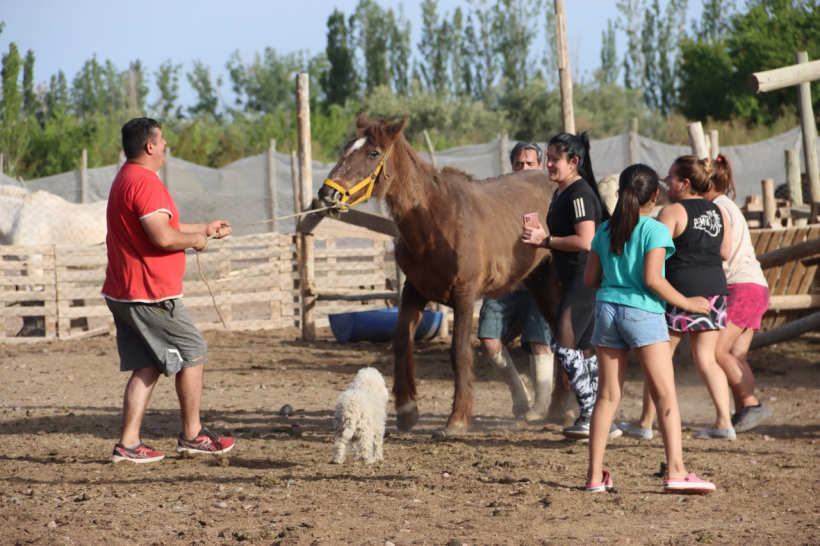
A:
(199, 264)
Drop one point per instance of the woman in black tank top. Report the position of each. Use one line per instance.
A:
(696, 269)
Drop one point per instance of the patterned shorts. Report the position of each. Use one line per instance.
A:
(679, 320)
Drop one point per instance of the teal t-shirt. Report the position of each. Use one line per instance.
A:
(623, 273)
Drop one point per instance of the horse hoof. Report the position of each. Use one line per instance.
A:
(407, 417)
(521, 411)
(533, 416)
(450, 431)
(556, 416)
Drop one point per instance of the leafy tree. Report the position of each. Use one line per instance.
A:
(267, 83)
(705, 84)
(14, 132)
(400, 53)
(630, 23)
(57, 95)
(434, 48)
(29, 96)
(207, 97)
(660, 48)
(515, 28)
(715, 20)
(168, 83)
(482, 43)
(608, 73)
(373, 31)
(88, 90)
(339, 83)
(550, 58)
(137, 87)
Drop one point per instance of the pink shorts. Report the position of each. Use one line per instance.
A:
(746, 304)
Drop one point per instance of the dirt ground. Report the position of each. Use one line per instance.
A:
(506, 483)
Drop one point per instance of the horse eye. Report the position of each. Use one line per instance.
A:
(373, 155)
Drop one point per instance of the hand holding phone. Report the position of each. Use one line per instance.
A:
(531, 220)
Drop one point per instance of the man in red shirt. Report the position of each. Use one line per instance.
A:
(143, 286)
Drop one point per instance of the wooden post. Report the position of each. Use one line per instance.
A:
(165, 169)
(2, 158)
(432, 150)
(306, 178)
(714, 149)
(504, 152)
(807, 123)
(697, 141)
(564, 75)
(633, 141)
(84, 176)
(793, 180)
(804, 71)
(769, 203)
(272, 183)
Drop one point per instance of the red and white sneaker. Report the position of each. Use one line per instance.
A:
(205, 442)
(140, 454)
(690, 485)
(605, 485)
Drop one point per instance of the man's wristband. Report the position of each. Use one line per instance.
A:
(547, 242)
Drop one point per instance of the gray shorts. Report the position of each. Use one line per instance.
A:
(499, 315)
(157, 334)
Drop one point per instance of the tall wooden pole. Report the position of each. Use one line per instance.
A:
(166, 176)
(633, 141)
(769, 204)
(793, 181)
(306, 183)
(432, 150)
(714, 147)
(272, 183)
(84, 176)
(2, 157)
(504, 152)
(809, 133)
(697, 141)
(564, 75)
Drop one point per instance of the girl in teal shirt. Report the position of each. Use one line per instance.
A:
(627, 265)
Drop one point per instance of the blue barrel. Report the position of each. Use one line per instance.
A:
(378, 325)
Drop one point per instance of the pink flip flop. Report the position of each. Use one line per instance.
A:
(600, 487)
(690, 485)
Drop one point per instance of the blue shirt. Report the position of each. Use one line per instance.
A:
(623, 280)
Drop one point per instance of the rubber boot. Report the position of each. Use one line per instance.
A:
(542, 368)
(504, 366)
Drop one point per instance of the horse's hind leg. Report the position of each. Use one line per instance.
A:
(461, 359)
(404, 363)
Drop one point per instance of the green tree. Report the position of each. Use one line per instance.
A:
(660, 47)
(400, 53)
(482, 43)
(57, 95)
(549, 59)
(434, 49)
(266, 84)
(372, 31)
(629, 21)
(515, 26)
(206, 91)
(14, 133)
(29, 96)
(715, 20)
(168, 83)
(137, 87)
(608, 73)
(88, 90)
(339, 83)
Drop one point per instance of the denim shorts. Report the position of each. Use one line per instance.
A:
(499, 315)
(624, 327)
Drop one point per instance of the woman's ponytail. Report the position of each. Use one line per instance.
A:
(636, 186)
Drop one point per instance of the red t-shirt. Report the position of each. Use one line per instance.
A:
(138, 270)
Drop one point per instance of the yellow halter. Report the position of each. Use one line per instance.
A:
(367, 182)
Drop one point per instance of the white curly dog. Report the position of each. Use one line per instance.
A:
(360, 417)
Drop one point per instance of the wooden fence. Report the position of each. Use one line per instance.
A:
(791, 285)
(254, 279)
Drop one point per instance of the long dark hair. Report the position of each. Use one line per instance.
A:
(636, 186)
(578, 146)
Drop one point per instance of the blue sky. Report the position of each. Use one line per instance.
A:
(64, 34)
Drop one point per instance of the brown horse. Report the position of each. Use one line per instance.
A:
(460, 238)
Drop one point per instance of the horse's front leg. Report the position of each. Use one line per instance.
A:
(404, 363)
(461, 359)
(543, 285)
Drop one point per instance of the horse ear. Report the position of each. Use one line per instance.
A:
(394, 129)
(362, 122)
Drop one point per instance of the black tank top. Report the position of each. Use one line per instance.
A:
(696, 268)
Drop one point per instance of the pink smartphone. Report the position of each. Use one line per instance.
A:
(531, 220)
